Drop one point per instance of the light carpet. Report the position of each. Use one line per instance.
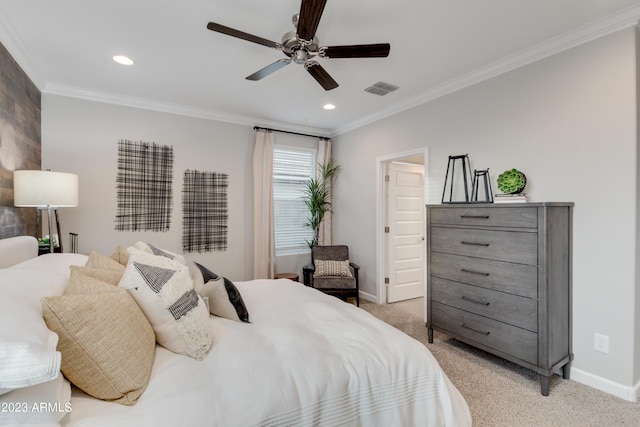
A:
(500, 393)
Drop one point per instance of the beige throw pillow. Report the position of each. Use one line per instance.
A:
(107, 343)
(97, 260)
(80, 283)
(105, 275)
(120, 255)
(331, 268)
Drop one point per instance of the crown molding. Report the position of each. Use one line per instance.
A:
(625, 18)
(16, 48)
(60, 89)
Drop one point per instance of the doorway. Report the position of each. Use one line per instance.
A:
(401, 231)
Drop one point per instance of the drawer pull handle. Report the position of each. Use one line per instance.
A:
(464, 297)
(464, 325)
(475, 243)
(480, 273)
(474, 216)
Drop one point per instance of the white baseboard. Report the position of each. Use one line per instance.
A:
(369, 297)
(630, 393)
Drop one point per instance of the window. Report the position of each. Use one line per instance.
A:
(292, 169)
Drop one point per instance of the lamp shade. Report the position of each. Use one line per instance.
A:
(45, 188)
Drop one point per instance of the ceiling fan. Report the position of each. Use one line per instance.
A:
(301, 45)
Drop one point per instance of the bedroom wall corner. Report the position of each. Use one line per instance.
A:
(636, 357)
(20, 143)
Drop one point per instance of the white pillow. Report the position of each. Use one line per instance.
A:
(28, 347)
(164, 291)
(38, 373)
(27, 363)
(148, 248)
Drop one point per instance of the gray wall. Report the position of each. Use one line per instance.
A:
(569, 123)
(81, 137)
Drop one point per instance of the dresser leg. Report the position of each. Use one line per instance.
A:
(430, 335)
(566, 370)
(544, 384)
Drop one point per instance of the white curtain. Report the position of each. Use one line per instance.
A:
(324, 154)
(263, 236)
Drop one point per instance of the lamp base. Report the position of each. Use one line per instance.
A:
(51, 212)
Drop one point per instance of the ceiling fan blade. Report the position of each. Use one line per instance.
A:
(272, 68)
(309, 18)
(378, 50)
(321, 75)
(242, 35)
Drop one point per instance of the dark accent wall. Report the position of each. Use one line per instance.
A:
(20, 143)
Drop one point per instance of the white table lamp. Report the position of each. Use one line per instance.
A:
(45, 190)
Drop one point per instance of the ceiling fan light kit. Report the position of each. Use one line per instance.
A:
(302, 45)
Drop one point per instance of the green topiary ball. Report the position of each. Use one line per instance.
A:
(512, 181)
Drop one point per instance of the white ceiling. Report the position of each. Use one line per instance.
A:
(437, 46)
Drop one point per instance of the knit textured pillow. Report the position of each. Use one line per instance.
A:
(97, 260)
(103, 274)
(107, 343)
(224, 298)
(164, 291)
(331, 268)
(81, 283)
(120, 255)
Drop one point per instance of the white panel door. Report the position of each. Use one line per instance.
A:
(406, 246)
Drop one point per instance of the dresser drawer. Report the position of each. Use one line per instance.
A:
(519, 279)
(524, 217)
(508, 308)
(505, 338)
(512, 246)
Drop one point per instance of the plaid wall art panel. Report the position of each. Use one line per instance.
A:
(205, 211)
(144, 195)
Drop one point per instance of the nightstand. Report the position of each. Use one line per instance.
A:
(290, 276)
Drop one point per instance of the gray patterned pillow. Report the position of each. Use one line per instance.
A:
(224, 298)
(148, 248)
(331, 268)
(164, 291)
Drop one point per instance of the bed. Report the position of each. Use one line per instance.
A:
(303, 359)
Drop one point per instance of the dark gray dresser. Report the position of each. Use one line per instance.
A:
(499, 278)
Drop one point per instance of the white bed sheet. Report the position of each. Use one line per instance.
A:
(307, 359)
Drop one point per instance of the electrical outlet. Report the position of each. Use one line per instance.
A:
(601, 343)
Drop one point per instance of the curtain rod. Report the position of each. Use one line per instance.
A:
(289, 132)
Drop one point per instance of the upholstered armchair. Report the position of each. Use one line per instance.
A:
(331, 272)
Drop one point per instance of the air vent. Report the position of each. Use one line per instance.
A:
(381, 88)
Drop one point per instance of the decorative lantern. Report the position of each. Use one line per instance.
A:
(483, 175)
(456, 182)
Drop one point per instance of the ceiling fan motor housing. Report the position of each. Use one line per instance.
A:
(298, 50)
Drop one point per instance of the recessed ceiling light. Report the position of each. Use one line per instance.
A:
(120, 59)
(329, 106)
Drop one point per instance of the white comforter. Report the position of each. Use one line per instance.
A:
(306, 359)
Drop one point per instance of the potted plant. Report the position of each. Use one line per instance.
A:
(317, 197)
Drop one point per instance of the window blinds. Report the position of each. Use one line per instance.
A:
(292, 169)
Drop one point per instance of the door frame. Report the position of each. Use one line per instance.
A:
(381, 214)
